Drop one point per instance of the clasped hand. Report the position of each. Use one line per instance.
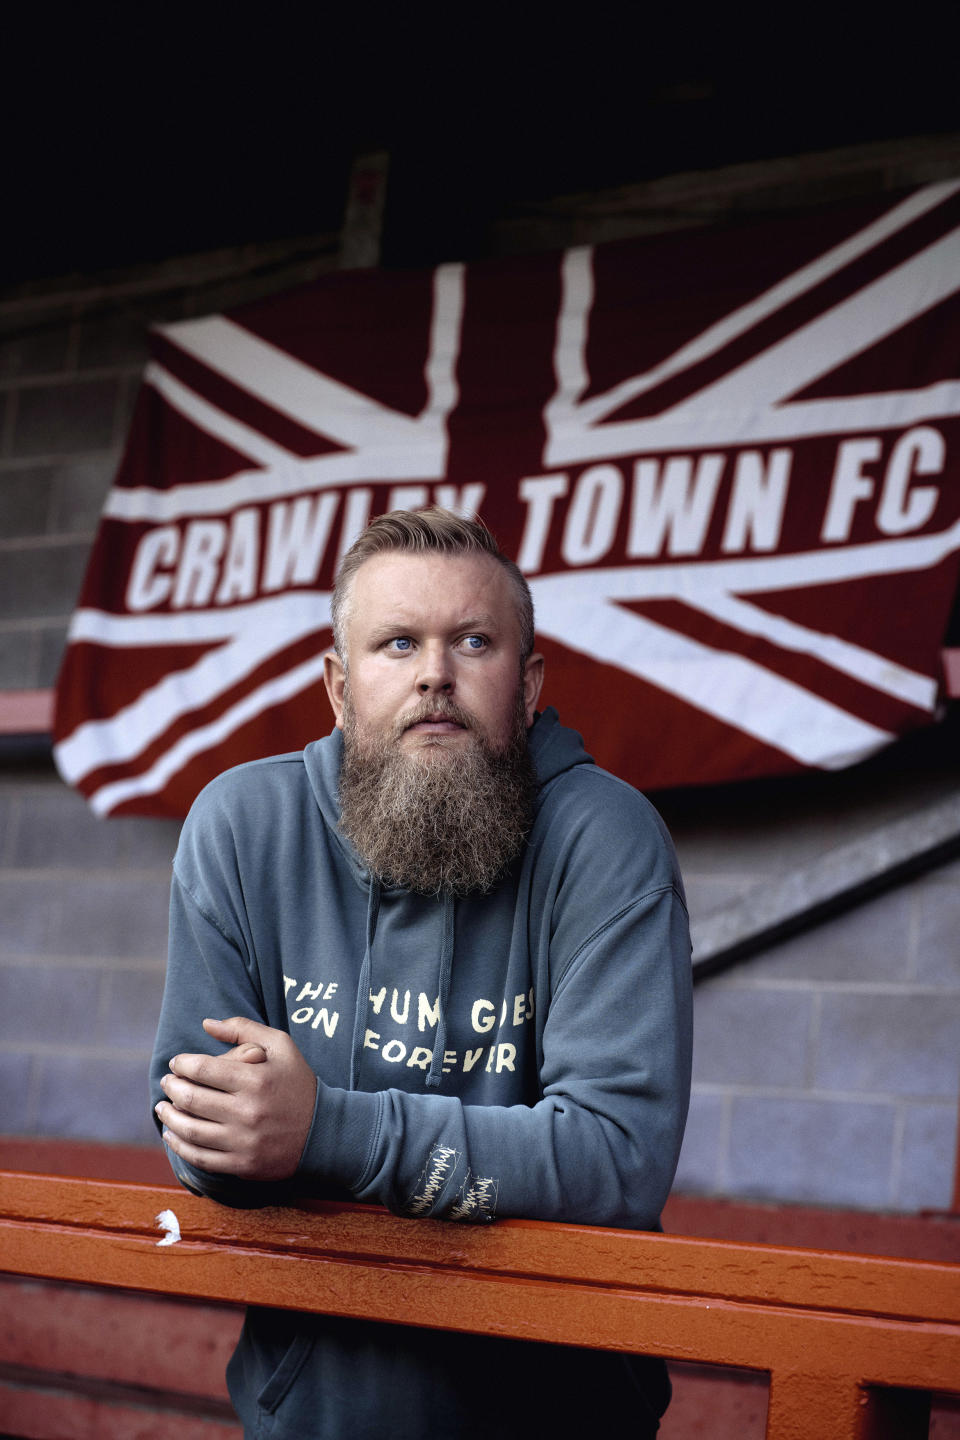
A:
(246, 1112)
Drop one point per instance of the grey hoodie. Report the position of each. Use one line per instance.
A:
(524, 1052)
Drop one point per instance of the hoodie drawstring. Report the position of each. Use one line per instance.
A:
(363, 984)
(435, 1073)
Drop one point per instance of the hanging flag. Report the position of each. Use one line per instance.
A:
(727, 460)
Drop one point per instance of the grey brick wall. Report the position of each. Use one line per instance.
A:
(71, 354)
(83, 909)
(83, 903)
(825, 1069)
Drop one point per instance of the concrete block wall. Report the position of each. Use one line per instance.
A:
(83, 908)
(71, 355)
(827, 1066)
(825, 1069)
(83, 903)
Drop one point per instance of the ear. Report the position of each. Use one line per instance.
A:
(334, 677)
(532, 685)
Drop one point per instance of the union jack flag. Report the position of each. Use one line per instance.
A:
(727, 460)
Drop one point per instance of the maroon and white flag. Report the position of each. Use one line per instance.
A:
(727, 461)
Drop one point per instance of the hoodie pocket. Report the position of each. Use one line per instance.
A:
(276, 1389)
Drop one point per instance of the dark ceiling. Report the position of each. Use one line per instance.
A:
(138, 132)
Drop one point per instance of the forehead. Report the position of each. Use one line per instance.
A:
(432, 589)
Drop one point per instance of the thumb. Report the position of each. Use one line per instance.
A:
(250, 1038)
(249, 1053)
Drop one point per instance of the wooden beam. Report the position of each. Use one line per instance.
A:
(847, 1328)
(781, 905)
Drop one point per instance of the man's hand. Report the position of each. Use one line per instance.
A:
(245, 1113)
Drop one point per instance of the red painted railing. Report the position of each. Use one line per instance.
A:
(853, 1344)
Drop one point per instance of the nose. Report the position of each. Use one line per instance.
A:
(435, 673)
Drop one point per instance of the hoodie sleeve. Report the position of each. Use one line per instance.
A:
(206, 975)
(601, 1144)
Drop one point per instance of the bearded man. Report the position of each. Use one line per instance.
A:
(456, 959)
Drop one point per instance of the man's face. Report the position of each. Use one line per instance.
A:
(433, 647)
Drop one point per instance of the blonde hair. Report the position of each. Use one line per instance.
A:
(419, 532)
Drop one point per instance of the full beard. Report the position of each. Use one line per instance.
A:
(442, 818)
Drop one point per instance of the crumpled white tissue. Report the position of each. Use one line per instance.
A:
(169, 1222)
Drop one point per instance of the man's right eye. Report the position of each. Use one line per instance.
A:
(400, 645)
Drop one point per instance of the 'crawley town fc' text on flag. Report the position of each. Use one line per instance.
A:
(728, 462)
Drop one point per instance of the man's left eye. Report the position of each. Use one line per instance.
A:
(475, 642)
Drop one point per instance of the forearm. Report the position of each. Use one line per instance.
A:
(206, 976)
(429, 1155)
(601, 1142)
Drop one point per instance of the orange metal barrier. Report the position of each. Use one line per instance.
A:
(853, 1344)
